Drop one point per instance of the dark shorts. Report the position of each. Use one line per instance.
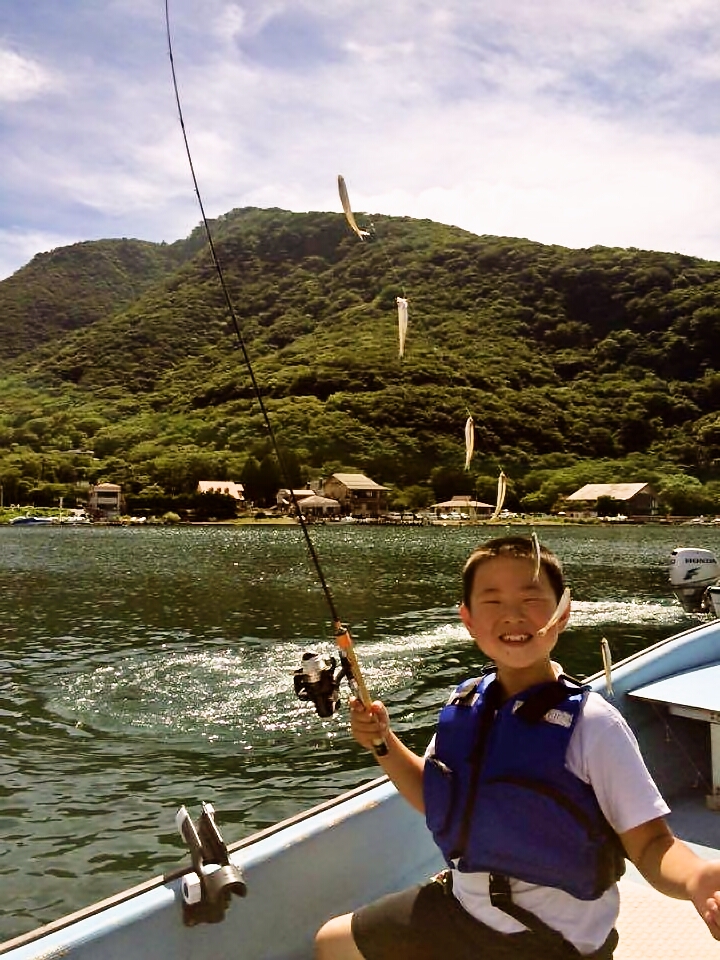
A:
(428, 923)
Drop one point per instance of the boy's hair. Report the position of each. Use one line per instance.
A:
(522, 547)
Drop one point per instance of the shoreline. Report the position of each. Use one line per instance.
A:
(528, 521)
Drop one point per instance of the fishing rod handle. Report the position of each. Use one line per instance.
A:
(379, 746)
(344, 642)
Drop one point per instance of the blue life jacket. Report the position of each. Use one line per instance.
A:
(499, 798)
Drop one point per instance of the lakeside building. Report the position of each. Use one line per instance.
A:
(357, 494)
(105, 501)
(463, 506)
(285, 497)
(638, 499)
(317, 506)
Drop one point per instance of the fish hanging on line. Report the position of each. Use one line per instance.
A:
(607, 664)
(560, 610)
(501, 491)
(349, 215)
(402, 306)
(469, 441)
(536, 555)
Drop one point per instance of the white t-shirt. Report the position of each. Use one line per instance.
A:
(603, 752)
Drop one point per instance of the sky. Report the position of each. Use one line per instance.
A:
(572, 122)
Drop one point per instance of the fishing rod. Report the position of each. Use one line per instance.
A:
(316, 680)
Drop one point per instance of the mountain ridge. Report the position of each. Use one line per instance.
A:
(573, 355)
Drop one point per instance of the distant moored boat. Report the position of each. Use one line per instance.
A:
(30, 519)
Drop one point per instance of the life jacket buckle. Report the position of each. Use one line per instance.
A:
(500, 895)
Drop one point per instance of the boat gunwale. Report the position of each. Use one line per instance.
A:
(170, 876)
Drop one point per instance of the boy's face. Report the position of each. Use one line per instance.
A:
(507, 608)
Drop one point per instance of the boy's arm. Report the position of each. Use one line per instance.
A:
(673, 869)
(404, 767)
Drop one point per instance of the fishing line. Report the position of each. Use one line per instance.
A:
(342, 635)
(376, 236)
(402, 302)
(238, 333)
(361, 234)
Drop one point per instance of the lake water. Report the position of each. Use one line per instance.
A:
(145, 668)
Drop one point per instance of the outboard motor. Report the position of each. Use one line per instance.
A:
(692, 571)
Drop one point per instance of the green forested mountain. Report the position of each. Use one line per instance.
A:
(576, 365)
(72, 287)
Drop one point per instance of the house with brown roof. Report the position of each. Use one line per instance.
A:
(638, 499)
(357, 494)
(463, 506)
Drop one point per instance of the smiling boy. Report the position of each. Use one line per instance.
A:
(534, 790)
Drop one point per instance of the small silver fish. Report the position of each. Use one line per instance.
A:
(347, 209)
(560, 610)
(469, 441)
(536, 555)
(607, 664)
(501, 491)
(402, 306)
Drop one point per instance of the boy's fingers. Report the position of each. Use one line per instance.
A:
(376, 710)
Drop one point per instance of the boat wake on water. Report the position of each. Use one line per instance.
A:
(240, 693)
(616, 612)
(234, 694)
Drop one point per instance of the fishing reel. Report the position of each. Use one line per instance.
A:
(317, 682)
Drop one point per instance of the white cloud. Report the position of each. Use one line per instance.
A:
(21, 78)
(18, 247)
(577, 183)
(569, 121)
(231, 23)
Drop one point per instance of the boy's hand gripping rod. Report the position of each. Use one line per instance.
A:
(347, 653)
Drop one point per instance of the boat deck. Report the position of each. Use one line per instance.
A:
(652, 925)
(655, 927)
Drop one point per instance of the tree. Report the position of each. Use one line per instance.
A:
(418, 496)
(448, 482)
(250, 479)
(212, 505)
(292, 470)
(171, 472)
(682, 495)
(269, 481)
(538, 501)
(11, 480)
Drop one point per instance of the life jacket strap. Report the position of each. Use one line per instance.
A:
(552, 940)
